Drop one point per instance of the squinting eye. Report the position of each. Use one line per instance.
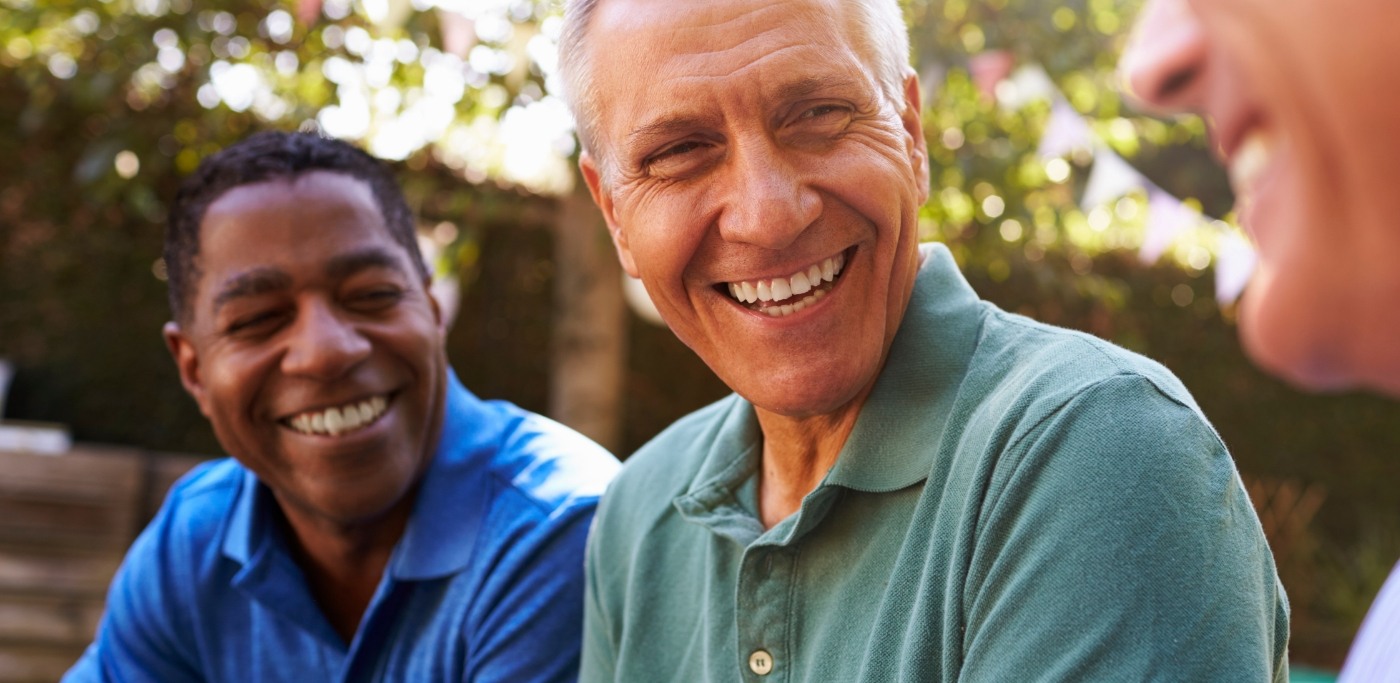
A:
(377, 299)
(680, 160)
(821, 111)
(252, 323)
(673, 151)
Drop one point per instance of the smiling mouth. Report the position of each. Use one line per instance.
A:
(1250, 159)
(339, 420)
(784, 296)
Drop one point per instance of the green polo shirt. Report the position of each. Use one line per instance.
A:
(1017, 502)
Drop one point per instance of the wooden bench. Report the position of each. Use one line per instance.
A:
(65, 523)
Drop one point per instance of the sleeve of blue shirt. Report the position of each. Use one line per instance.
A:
(1119, 544)
(140, 637)
(530, 630)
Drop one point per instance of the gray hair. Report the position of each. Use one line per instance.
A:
(881, 36)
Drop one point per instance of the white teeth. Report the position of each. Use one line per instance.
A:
(333, 421)
(340, 419)
(803, 282)
(800, 284)
(1250, 161)
(782, 289)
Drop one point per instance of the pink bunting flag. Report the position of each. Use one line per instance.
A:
(989, 69)
(308, 11)
(458, 32)
(1027, 84)
(1065, 132)
(1111, 178)
(1167, 218)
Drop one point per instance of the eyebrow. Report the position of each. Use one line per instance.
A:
(664, 128)
(251, 283)
(811, 85)
(787, 92)
(344, 265)
(264, 280)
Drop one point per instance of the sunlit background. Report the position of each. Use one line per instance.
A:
(1058, 199)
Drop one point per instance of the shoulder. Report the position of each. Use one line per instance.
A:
(546, 465)
(1030, 371)
(1055, 410)
(152, 608)
(666, 466)
(196, 509)
(185, 538)
(1032, 351)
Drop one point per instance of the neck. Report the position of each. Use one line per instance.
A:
(344, 563)
(797, 454)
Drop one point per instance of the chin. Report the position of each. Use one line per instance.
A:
(1293, 348)
(805, 400)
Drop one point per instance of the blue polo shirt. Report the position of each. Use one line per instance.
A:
(485, 585)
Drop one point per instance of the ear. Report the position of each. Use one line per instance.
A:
(912, 117)
(186, 361)
(593, 177)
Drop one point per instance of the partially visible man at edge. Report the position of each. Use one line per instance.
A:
(377, 521)
(1302, 105)
(909, 484)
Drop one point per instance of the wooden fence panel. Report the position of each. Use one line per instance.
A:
(65, 523)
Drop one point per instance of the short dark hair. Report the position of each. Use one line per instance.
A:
(273, 155)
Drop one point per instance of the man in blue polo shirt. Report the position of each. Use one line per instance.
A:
(377, 522)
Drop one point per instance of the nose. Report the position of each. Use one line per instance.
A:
(1164, 65)
(322, 344)
(769, 202)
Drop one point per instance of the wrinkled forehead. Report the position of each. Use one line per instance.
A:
(647, 53)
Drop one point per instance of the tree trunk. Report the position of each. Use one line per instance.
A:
(589, 349)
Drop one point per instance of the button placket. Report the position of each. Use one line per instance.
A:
(765, 582)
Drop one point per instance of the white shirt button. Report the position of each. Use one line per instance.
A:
(760, 662)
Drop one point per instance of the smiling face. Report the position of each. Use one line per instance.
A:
(313, 347)
(762, 186)
(1299, 100)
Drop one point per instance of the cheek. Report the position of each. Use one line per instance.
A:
(664, 233)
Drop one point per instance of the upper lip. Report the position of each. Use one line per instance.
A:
(786, 270)
(1232, 119)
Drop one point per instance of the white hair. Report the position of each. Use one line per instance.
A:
(881, 36)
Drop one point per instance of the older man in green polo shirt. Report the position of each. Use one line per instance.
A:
(908, 484)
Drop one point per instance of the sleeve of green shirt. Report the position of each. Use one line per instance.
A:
(1117, 543)
(599, 652)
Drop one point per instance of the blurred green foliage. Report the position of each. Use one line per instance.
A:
(104, 104)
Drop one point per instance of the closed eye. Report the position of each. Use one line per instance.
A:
(824, 110)
(673, 151)
(680, 160)
(253, 324)
(376, 299)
